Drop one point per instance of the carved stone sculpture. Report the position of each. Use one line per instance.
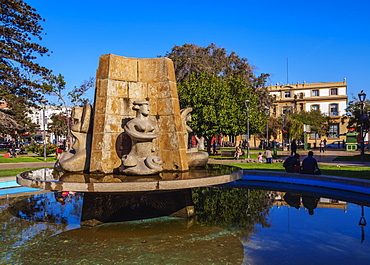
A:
(75, 159)
(142, 131)
(195, 158)
(185, 116)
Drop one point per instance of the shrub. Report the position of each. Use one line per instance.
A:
(37, 148)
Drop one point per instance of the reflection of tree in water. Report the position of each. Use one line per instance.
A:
(227, 208)
(16, 233)
(45, 208)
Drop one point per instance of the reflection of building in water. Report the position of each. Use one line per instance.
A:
(322, 203)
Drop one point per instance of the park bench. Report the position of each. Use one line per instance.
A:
(229, 153)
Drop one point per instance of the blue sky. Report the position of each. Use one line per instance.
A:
(323, 41)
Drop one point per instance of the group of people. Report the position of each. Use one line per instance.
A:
(309, 165)
(268, 155)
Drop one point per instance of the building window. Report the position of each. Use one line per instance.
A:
(315, 107)
(334, 110)
(334, 130)
(314, 135)
(334, 91)
(287, 94)
(286, 109)
(315, 93)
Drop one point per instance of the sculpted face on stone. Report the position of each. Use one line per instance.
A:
(76, 161)
(142, 159)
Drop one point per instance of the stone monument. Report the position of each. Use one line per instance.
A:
(120, 134)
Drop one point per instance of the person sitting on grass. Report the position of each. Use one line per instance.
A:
(259, 158)
(309, 165)
(8, 155)
(238, 152)
(292, 164)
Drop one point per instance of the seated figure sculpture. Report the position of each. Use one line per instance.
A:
(75, 159)
(142, 131)
(195, 159)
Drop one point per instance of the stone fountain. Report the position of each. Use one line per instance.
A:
(134, 139)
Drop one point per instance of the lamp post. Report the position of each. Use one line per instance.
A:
(362, 97)
(247, 108)
(43, 101)
(282, 130)
(267, 126)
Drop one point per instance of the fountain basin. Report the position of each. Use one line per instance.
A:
(54, 179)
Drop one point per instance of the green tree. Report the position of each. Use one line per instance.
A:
(294, 121)
(353, 114)
(19, 74)
(218, 105)
(190, 58)
(58, 125)
(216, 84)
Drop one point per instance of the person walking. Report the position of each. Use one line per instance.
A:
(268, 155)
(322, 146)
(293, 148)
(309, 165)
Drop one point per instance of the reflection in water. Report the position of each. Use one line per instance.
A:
(294, 200)
(40, 230)
(362, 223)
(56, 174)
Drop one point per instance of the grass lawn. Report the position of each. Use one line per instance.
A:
(332, 170)
(14, 171)
(353, 158)
(27, 159)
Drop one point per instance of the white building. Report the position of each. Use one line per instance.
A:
(36, 115)
(330, 98)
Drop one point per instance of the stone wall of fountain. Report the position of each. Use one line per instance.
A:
(113, 141)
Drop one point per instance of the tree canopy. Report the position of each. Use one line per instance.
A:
(219, 105)
(353, 114)
(19, 73)
(318, 121)
(217, 84)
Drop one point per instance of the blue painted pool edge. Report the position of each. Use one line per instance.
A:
(324, 181)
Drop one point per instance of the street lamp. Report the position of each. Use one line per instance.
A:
(43, 101)
(282, 130)
(267, 126)
(247, 108)
(362, 97)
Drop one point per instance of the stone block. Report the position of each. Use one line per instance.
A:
(114, 106)
(117, 67)
(171, 123)
(97, 142)
(156, 70)
(174, 160)
(162, 90)
(168, 141)
(117, 89)
(109, 141)
(110, 161)
(99, 121)
(138, 90)
(96, 160)
(100, 105)
(168, 106)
